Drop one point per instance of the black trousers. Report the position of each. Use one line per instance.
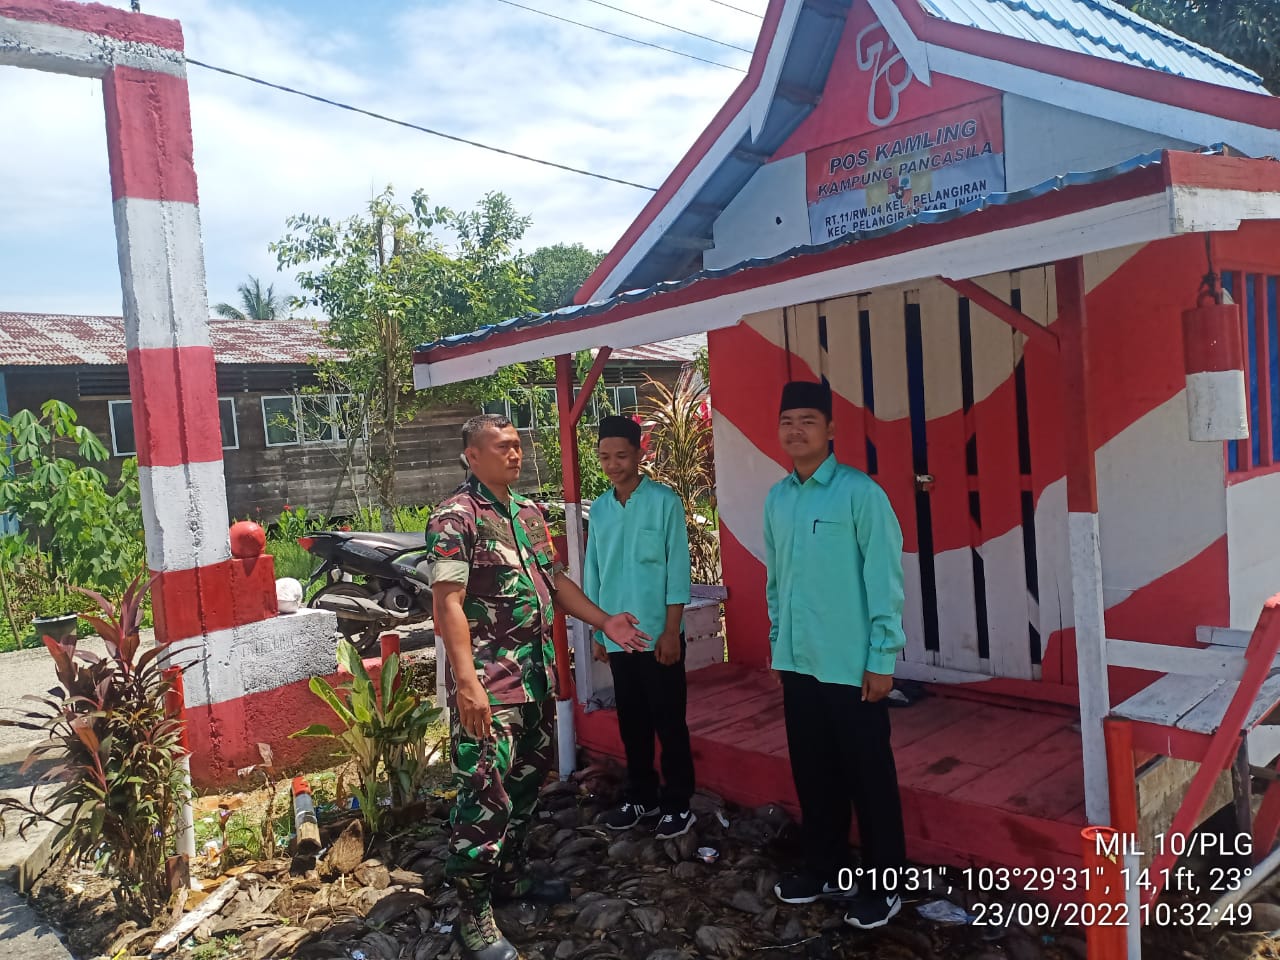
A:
(650, 698)
(842, 761)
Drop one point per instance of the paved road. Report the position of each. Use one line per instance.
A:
(30, 672)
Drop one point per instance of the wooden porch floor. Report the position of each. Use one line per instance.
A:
(981, 783)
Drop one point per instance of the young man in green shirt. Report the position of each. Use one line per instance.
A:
(638, 557)
(833, 551)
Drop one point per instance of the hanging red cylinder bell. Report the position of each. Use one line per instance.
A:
(1213, 348)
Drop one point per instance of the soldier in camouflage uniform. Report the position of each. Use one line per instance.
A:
(495, 578)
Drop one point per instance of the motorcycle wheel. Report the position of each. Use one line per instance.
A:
(362, 633)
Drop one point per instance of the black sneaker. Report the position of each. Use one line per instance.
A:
(628, 815)
(674, 825)
(807, 888)
(867, 913)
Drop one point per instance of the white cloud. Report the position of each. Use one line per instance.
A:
(474, 68)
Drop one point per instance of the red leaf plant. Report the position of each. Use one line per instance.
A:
(115, 751)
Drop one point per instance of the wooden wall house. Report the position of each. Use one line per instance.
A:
(280, 447)
(980, 222)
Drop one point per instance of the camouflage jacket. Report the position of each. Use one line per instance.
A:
(505, 559)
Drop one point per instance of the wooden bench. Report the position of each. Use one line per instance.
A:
(1201, 709)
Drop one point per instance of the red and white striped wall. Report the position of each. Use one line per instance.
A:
(248, 681)
(1154, 530)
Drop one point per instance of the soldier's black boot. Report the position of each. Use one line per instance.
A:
(479, 935)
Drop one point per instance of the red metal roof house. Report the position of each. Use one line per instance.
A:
(981, 221)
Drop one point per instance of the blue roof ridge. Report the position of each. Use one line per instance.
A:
(526, 321)
(1141, 24)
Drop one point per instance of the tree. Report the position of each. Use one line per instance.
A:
(558, 271)
(388, 282)
(257, 303)
(1247, 31)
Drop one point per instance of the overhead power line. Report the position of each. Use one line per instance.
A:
(418, 127)
(621, 36)
(667, 26)
(749, 13)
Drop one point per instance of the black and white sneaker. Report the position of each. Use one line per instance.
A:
(674, 825)
(628, 815)
(867, 913)
(807, 888)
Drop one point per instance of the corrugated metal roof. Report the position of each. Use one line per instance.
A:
(1099, 28)
(920, 219)
(677, 350)
(47, 339)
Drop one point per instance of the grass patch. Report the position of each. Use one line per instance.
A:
(291, 560)
(217, 949)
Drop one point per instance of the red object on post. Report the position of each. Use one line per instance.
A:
(248, 540)
(389, 643)
(1106, 937)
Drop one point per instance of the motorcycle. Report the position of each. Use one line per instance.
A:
(391, 591)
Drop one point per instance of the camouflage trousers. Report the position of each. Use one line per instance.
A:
(498, 782)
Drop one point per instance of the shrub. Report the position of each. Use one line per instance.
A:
(76, 527)
(291, 559)
(118, 756)
(678, 425)
(385, 736)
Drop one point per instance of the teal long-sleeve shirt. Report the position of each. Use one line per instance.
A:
(833, 552)
(637, 557)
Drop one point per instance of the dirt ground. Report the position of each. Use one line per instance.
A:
(633, 898)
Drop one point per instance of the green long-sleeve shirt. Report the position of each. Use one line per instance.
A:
(833, 551)
(637, 557)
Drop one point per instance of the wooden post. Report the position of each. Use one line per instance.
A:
(570, 412)
(175, 706)
(1082, 530)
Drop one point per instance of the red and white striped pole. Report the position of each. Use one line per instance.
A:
(249, 683)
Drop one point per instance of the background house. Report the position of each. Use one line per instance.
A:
(280, 446)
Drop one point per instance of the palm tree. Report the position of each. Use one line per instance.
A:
(257, 303)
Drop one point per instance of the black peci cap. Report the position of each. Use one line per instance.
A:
(624, 427)
(804, 394)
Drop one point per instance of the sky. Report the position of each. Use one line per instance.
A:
(481, 69)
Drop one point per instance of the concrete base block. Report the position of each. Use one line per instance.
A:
(258, 657)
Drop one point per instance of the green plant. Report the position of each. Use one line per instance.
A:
(118, 755)
(75, 526)
(678, 425)
(592, 481)
(295, 522)
(291, 559)
(394, 275)
(384, 729)
(217, 949)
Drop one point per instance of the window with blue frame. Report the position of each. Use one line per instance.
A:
(1258, 295)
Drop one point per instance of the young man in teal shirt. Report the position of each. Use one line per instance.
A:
(833, 551)
(638, 555)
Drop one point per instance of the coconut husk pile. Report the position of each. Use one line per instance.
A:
(632, 898)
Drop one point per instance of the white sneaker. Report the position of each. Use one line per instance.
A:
(674, 825)
(867, 913)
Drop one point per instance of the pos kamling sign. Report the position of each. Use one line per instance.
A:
(935, 163)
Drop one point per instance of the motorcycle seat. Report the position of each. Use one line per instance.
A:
(399, 541)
